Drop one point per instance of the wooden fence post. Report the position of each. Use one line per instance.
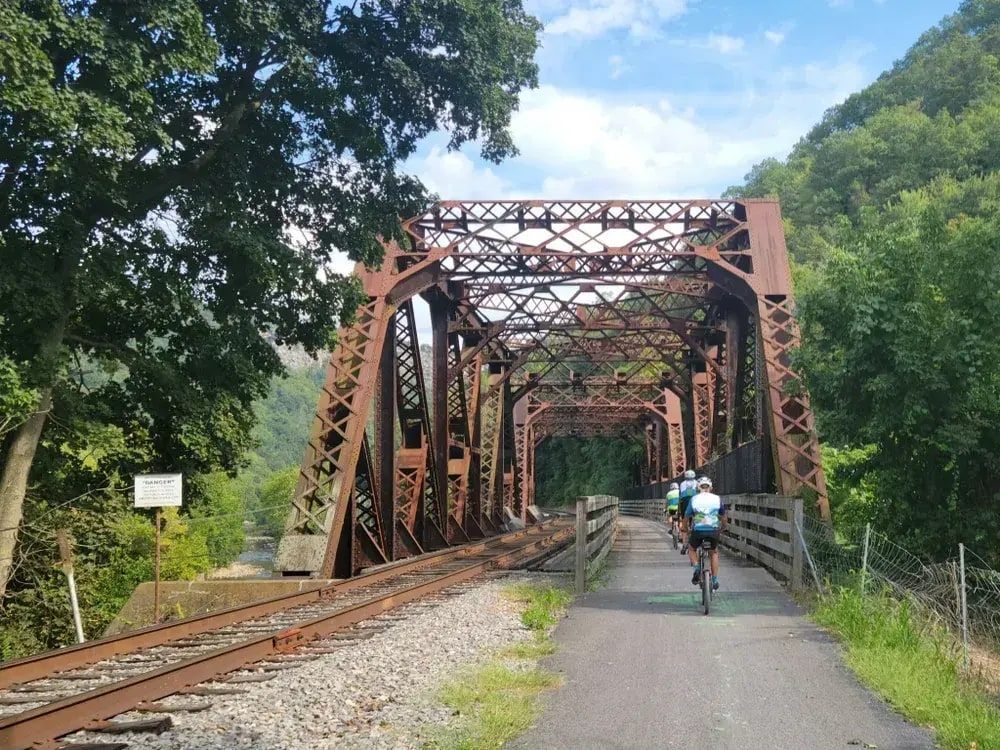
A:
(581, 545)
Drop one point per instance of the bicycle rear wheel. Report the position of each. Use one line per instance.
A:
(706, 583)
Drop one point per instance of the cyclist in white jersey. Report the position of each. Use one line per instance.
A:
(706, 515)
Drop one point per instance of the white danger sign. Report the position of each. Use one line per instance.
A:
(157, 490)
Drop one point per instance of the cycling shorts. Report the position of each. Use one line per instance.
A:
(683, 507)
(697, 537)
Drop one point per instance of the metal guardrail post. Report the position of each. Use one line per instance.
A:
(864, 557)
(581, 545)
(965, 608)
(798, 545)
(812, 567)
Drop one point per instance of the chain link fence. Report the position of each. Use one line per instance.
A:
(960, 595)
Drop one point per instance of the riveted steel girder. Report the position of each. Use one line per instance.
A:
(654, 319)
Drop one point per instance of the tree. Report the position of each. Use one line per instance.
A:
(572, 466)
(174, 175)
(275, 500)
(217, 514)
(901, 355)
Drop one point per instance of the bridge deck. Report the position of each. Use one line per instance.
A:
(645, 669)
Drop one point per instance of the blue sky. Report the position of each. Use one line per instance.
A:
(677, 98)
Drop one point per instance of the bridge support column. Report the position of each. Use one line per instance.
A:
(420, 516)
(702, 402)
(335, 521)
(491, 456)
(385, 439)
(440, 309)
(648, 467)
(676, 457)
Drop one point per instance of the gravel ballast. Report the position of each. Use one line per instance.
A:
(380, 692)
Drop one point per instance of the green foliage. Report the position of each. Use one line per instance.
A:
(493, 702)
(911, 666)
(901, 354)
(16, 400)
(174, 178)
(543, 605)
(114, 546)
(285, 416)
(275, 500)
(890, 201)
(935, 114)
(568, 467)
(851, 488)
(218, 516)
(536, 648)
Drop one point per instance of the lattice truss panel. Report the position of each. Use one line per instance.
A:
(670, 322)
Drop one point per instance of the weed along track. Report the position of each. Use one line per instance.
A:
(53, 694)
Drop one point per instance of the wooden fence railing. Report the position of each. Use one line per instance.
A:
(597, 520)
(763, 528)
(655, 510)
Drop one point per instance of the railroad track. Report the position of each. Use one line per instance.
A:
(53, 694)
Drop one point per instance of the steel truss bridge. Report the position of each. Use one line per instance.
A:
(668, 320)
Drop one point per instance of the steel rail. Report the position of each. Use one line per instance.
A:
(41, 726)
(49, 662)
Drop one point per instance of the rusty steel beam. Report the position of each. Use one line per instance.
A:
(676, 314)
(676, 455)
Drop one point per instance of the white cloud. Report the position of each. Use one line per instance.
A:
(618, 66)
(642, 144)
(588, 146)
(774, 36)
(452, 174)
(724, 44)
(642, 18)
(721, 44)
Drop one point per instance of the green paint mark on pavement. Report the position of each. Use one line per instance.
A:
(723, 604)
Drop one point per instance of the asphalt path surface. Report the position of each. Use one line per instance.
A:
(645, 668)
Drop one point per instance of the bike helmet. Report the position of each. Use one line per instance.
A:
(674, 485)
(705, 482)
(689, 474)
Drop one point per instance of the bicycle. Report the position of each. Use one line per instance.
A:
(675, 532)
(705, 563)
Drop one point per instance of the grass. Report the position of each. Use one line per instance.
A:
(537, 648)
(597, 577)
(914, 668)
(543, 604)
(497, 701)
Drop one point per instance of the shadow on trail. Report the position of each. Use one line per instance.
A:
(726, 604)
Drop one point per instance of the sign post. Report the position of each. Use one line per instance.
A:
(65, 542)
(158, 491)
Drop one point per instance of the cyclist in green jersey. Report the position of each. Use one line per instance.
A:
(673, 499)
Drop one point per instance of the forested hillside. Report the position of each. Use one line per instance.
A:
(568, 467)
(891, 206)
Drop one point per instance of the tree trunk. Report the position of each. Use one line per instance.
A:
(14, 482)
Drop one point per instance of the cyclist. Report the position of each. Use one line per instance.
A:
(673, 500)
(688, 489)
(707, 514)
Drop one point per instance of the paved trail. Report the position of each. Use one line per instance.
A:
(754, 674)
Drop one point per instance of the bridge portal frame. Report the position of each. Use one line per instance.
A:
(698, 291)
